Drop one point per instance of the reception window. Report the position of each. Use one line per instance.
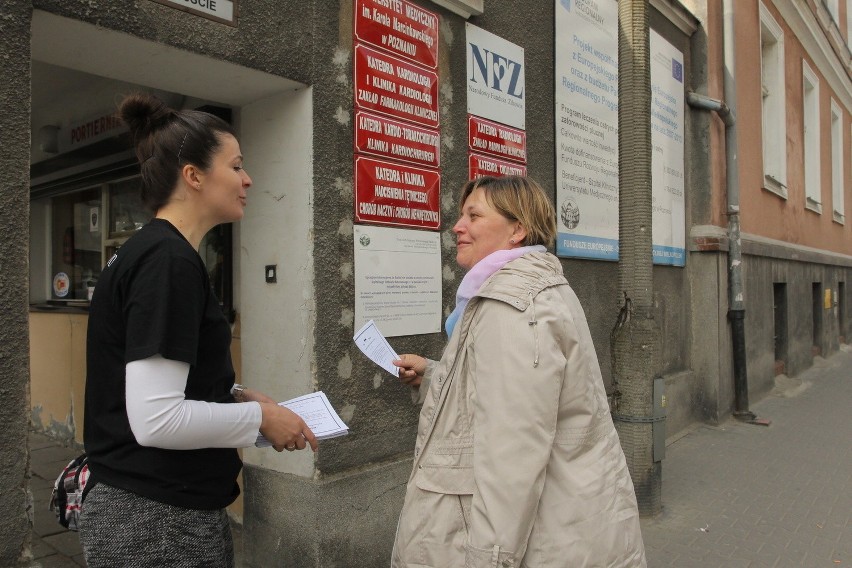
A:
(86, 226)
(75, 239)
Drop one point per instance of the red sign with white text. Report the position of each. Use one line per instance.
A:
(396, 194)
(496, 139)
(479, 165)
(376, 134)
(389, 85)
(403, 28)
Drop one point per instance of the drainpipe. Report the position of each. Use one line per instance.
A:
(736, 303)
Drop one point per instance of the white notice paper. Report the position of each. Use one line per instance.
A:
(374, 345)
(398, 280)
(318, 414)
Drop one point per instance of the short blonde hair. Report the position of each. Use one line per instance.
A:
(518, 198)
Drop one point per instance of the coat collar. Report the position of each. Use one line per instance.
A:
(522, 279)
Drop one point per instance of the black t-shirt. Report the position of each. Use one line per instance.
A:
(154, 297)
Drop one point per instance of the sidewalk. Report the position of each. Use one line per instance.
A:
(52, 545)
(740, 495)
(734, 495)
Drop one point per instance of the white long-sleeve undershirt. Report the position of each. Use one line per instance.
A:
(160, 415)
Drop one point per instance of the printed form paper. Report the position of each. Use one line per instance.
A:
(374, 345)
(318, 414)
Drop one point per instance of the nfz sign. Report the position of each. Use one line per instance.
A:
(495, 78)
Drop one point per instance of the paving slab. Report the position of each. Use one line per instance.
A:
(748, 495)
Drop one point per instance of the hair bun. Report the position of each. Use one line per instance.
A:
(143, 114)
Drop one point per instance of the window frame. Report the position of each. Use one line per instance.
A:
(837, 202)
(833, 9)
(773, 104)
(110, 242)
(811, 139)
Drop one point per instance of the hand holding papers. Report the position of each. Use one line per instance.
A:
(374, 345)
(318, 414)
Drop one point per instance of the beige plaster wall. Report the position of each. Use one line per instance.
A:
(58, 377)
(763, 212)
(58, 374)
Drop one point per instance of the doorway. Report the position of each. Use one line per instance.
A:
(779, 309)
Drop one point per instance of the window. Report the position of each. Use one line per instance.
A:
(833, 9)
(811, 138)
(773, 104)
(75, 244)
(87, 226)
(837, 162)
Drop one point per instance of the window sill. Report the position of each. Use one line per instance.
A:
(838, 218)
(81, 307)
(772, 185)
(813, 205)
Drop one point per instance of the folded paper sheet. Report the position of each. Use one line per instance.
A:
(318, 414)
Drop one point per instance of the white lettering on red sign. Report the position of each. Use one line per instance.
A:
(396, 194)
(376, 134)
(399, 27)
(389, 85)
(497, 139)
(479, 165)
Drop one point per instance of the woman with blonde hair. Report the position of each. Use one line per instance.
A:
(517, 462)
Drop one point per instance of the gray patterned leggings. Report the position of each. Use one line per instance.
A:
(119, 528)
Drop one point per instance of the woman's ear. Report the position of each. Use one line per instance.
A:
(191, 176)
(519, 234)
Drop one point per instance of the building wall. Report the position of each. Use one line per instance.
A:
(15, 497)
(296, 336)
(763, 212)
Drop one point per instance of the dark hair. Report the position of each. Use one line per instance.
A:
(518, 198)
(165, 140)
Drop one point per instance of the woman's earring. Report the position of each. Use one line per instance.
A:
(511, 241)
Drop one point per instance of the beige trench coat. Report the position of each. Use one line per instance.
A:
(517, 462)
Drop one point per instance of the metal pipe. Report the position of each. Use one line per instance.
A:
(736, 301)
(704, 102)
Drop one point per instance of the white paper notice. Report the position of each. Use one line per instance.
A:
(318, 414)
(374, 345)
(398, 280)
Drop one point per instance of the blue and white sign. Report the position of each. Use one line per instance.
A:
(587, 193)
(495, 78)
(586, 99)
(667, 180)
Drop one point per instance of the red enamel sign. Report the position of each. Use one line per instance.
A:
(403, 28)
(389, 85)
(479, 165)
(396, 194)
(496, 139)
(376, 134)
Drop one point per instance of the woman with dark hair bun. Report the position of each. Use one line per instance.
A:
(163, 416)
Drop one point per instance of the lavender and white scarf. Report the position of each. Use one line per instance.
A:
(476, 276)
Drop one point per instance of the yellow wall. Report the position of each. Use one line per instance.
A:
(58, 373)
(58, 376)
